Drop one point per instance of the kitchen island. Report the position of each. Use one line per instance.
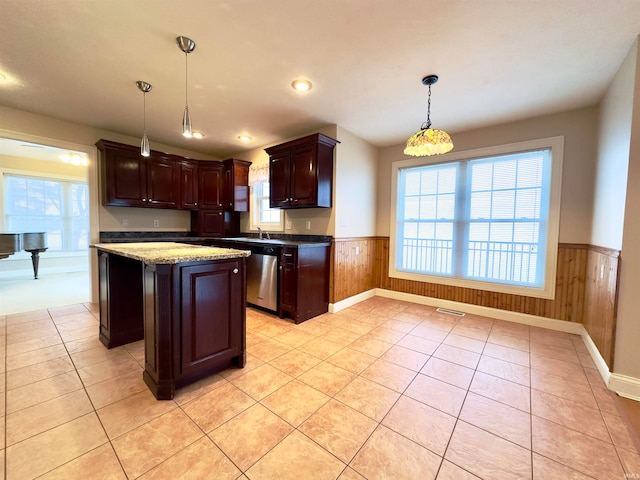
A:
(186, 301)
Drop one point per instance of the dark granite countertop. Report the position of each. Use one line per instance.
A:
(187, 237)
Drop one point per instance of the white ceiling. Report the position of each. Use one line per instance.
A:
(498, 61)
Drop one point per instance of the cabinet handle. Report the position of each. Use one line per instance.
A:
(235, 270)
(288, 254)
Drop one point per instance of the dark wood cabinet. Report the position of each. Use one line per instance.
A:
(189, 184)
(163, 185)
(131, 180)
(210, 185)
(301, 172)
(304, 281)
(124, 175)
(191, 316)
(215, 192)
(236, 185)
(210, 330)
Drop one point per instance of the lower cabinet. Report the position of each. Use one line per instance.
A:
(304, 282)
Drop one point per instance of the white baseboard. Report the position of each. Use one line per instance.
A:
(351, 301)
(516, 317)
(628, 387)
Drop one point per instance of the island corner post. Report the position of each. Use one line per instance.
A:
(190, 312)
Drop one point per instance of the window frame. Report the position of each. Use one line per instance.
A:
(255, 210)
(547, 291)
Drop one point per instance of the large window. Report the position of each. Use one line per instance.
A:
(58, 207)
(486, 219)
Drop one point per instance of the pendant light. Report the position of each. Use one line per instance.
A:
(144, 87)
(428, 141)
(187, 46)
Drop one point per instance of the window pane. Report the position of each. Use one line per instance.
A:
(59, 208)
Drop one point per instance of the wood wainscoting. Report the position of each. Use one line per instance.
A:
(586, 286)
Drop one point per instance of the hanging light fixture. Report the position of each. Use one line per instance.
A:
(187, 46)
(428, 141)
(145, 88)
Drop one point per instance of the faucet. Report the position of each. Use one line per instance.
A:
(260, 234)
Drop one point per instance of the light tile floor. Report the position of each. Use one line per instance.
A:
(382, 390)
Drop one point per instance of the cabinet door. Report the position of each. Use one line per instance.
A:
(279, 180)
(188, 185)
(304, 182)
(208, 222)
(236, 185)
(162, 182)
(210, 185)
(288, 281)
(212, 322)
(125, 179)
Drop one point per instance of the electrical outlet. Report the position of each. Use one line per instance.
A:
(156, 223)
(308, 225)
(125, 222)
(287, 225)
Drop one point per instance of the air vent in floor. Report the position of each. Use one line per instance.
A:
(450, 312)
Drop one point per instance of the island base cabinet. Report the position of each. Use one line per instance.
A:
(194, 322)
(120, 291)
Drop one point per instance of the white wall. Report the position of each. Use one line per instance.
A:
(614, 137)
(354, 186)
(624, 129)
(579, 128)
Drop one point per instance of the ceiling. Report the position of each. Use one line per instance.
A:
(498, 61)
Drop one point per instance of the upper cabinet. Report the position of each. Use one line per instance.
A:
(189, 184)
(236, 185)
(301, 172)
(169, 181)
(210, 185)
(131, 180)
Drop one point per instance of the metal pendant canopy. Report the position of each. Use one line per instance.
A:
(186, 44)
(144, 87)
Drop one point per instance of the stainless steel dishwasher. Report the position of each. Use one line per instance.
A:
(262, 277)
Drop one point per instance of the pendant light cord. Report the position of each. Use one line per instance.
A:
(144, 112)
(428, 122)
(186, 79)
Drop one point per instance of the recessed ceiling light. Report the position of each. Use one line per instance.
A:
(3, 77)
(301, 85)
(197, 135)
(244, 138)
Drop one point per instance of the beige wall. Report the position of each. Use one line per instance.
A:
(616, 118)
(579, 128)
(354, 186)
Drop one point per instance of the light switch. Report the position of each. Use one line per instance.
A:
(308, 225)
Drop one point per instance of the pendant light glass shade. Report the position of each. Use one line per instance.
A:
(428, 141)
(187, 131)
(187, 46)
(145, 151)
(144, 87)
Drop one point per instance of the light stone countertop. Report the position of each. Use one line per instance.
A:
(153, 253)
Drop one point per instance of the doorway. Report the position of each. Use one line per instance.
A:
(48, 186)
